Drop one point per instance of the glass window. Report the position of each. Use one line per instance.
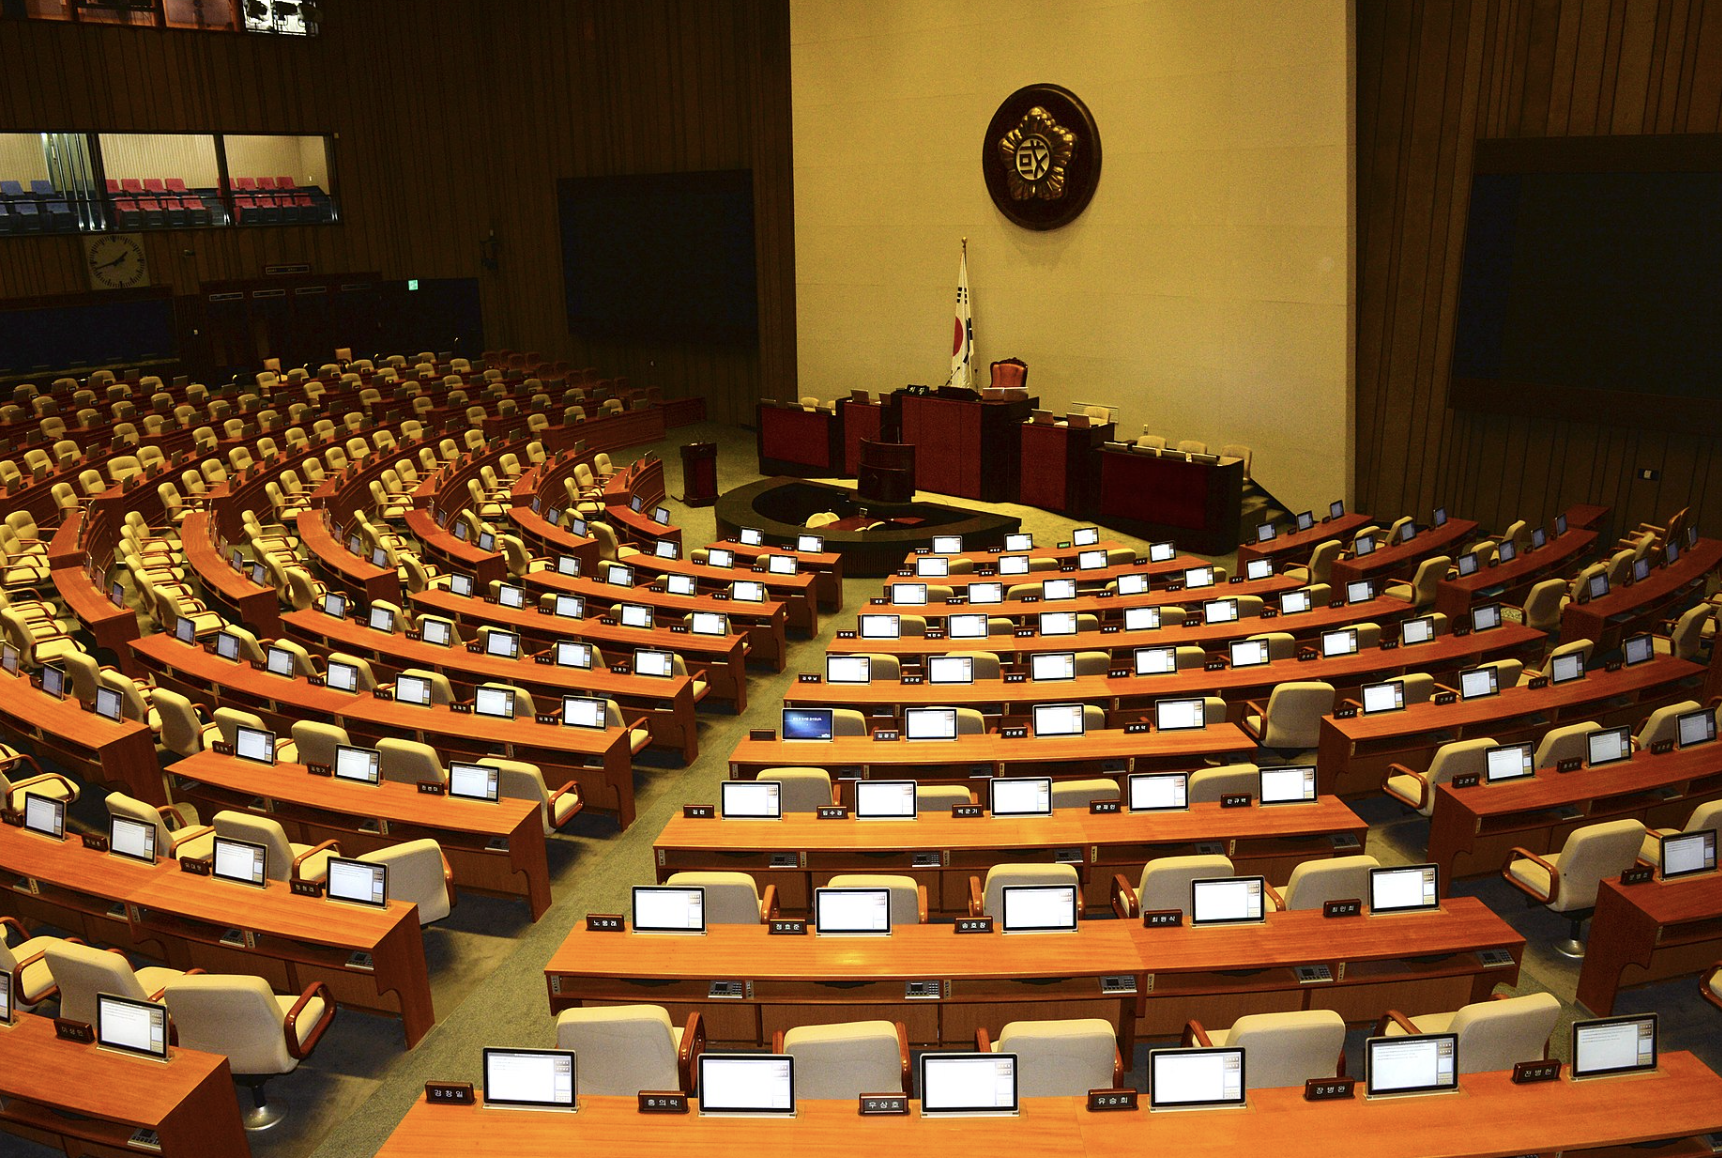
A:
(46, 184)
(280, 180)
(162, 180)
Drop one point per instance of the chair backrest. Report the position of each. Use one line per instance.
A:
(1315, 882)
(731, 898)
(934, 798)
(1287, 1049)
(278, 861)
(1207, 785)
(1452, 759)
(1061, 1058)
(1706, 815)
(1688, 634)
(1661, 724)
(848, 722)
(1564, 743)
(1294, 714)
(180, 731)
(416, 875)
(1081, 793)
(1496, 1035)
(983, 664)
(804, 789)
(408, 761)
(82, 971)
(317, 741)
(845, 1060)
(1002, 876)
(905, 892)
(623, 1049)
(1165, 882)
(1592, 853)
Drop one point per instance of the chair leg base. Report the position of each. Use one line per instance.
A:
(1570, 947)
(260, 1118)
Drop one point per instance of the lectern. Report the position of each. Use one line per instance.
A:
(887, 473)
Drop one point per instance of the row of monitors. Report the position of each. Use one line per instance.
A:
(1268, 532)
(238, 861)
(1129, 583)
(1604, 746)
(1199, 1077)
(940, 723)
(567, 606)
(1012, 795)
(123, 1025)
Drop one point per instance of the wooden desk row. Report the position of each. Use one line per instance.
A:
(1399, 560)
(1649, 932)
(1296, 546)
(800, 853)
(1108, 606)
(120, 753)
(1560, 556)
(1625, 609)
(185, 921)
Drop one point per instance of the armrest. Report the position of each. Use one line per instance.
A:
(921, 902)
(71, 789)
(693, 1045)
(326, 846)
(1123, 897)
(983, 1044)
(1444, 688)
(1554, 875)
(289, 1026)
(20, 758)
(1118, 1068)
(1349, 703)
(448, 881)
(975, 900)
(777, 1041)
(1274, 896)
(1195, 1034)
(1707, 981)
(903, 1052)
(637, 724)
(173, 816)
(1422, 784)
(1261, 713)
(1394, 1017)
(768, 904)
(550, 801)
(17, 926)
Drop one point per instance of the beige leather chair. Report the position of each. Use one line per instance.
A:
(1208, 785)
(1291, 721)
(1493, 1035)
(848, 1059)
(284, 860)
(177, 831)
(1417, 789)
(1566, 881)
(1059, 1059)
(624, 1049)
(419, 874)
(316, 742)
(1165, 884)
(731, 898)
(988, 900)
(261, 1034)
(1315, 882)
(82, 971)
(1081, 793)
(1280, 1049)
(1706, 815)
(804, 789)
(25, 957)
(53, 785)
(1663, 723)
(908, 897)
(939, 798)
(1564, 743)
(522, 781)
(410, 762)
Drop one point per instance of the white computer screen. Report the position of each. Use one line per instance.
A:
(1052, 665)
(436, 631)
(932, 566)
(1638, 649)
(1688, 853)
(584, 711)
(878, 626)
(1385, 697)
(1133, 583)
(131, 838)
(358, 882)
(909, 594)
(1013, 564)
(1597, 586)
(226, 645)
(1085, 536)
(1403, 889)
(1220, 611)
(535, 1078)
(966, 626)
(747, 591)
(1091, 560)
(848, 669)
(1290, 785)
(1306, 520)
(1566, 667)
(669, 909)
(851, 911)
(719, 557)
(1156, 660)
(1257, 569)
(509, 595)
(1058, 589)
(1408, 532)
(572, 654)
(1159, 791)
(1486, 617)
(1411, 1064)
(930, 723)
(1608, 745)
(1141, 619)
(950, 669)
(254, 744)
(1058, 720)
(1507, 551)
(1039, 909)
(678, 584)
(108, 703)
(240, 860)
(498, 703)
(382, 619)
(1419, 630)
(502, 643)
(1363, 545)
(968, 1083)
(336, 605)
(752, 537)
(133, 1026)
(1162, 552)
(1058, 623)
(570, 606)
(279, 661)
(1176, 715)
(1020, 796)
(1293, 602)
(1696, 727)
(1335, 643)
(184, 630)
(1614, 1045)
(1199, 577)
(709, 623)
(6, 1010)
(635, 615)
(1507, 762)
(654, 663)
(1480, 681)
(1195, 1077)
(885, 799)
(460, 584)
(1018, 542)
(1359, 591)
(568, 565)
(1265, 533)
(1249, 652)
(986, 592)
(617, 575)
(780, 564)
(45, 816)
(1467, 564)
(746, 1084)
(947, 544)
(345, 676)
(1225, 900)
(751, 800)
(361, 764)
(473, 781)
(812, 544)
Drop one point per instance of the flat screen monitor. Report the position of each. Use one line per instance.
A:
(1179, 715)
(1039, 909)
(1477, 682)
(1058, 623)
(379, 559)
(807, 723)
(1467, 564)
(1560, 524)
(1686, 854)
(1404, 889)
(363, 765)
(966, 625)
(108, 704)
(184, 630)
(852, 912)
(571, 653)
(932, 566)
(1538, 538)
(1294, 602)
(1363, 545)
(1058, 719)
(1508, 762)
(343, 676)
(709, 623)
(1383, 697)
(1336, 508)
(227, 645)
(1220, 611)
(616, 575)
(1085, 536)
(1258, 569)
(1415, 631)
(1156, 660)
(1013, 564)
(968, 1084)
(461, 532)
(683, 585)
(1506, 550)
(746, 1083)
(568, 565)
(658, 664)
(1020, 796)
(1305, 520)
(509, 595)
(1162, 552)
(909, 594)
(1637, 649)
(1227, 900)
(486, 541)
(474, 782)
(381, 619)
(950, 669)
(1249, 652)
(1141, 619)
(241, 862)
(1566, 668)
(8, 1011)
(929, 723)
(358, 882)
(848, 669)
(1195, 1078)
(1486, 617)
(1133, 583)
(1408, 532)
(1293, 784)
(278, 661)
(577, 525)
(747, 591)
(1425, 1063)
(752, 537)
(1158, 791)
(569, 606)
(885, 800)
(131, 838)
(1697, 727)
(986, 592)
(1608, 746)
(1337, 643)
(529, 1079)
(1614, 1045)
(1019, 542)
(1199, 577)
(750, 800)
(947, 544)
(661, 516)
(780, 564)
(634, 615)
(1359, 591)
(138, 1028)
(460, 584)
(720, 557)
(1052, 666)
(503, 644)
(1058, 589)
(495, 703)
(585, 712)
(45, 816)
(1265, 532)
(1090, 560)
(254, 744)
(879, 626)
(1440, 519)
(635, 502)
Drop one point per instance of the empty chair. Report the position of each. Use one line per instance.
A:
(441, 690)
(519, 780)
(1315, 882)
(804, 789)
(1292, 719)
(1564, 743)
(242, 1019)
(908, 897)
(177, 832)
(1566, 881)
(315, 742)
(624, 1049)
(25, 957)
(941, 797)
(1165, 884)
(1493, 1035)
(418, 874)
(1663, 723)
(1059, 1059)
(1706, 815)
(1579, 647)
(409, 762)
(284, 860)
(53, 785)
(82, 971)
(1082, 793)
(1417, 789)
(847, 1060)
(1420, 592)
(1281, 1049)
(988, 900)
(1208, 785)
(1686, 637)
(731, 898)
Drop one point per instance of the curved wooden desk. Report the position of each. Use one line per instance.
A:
(1649, 932)
(1399, 560)
(92, 748)
(1626, 609)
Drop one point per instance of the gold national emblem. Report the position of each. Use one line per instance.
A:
(1036, 154)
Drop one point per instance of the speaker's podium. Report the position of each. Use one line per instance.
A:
(966, 446)
(887, 472)
(1060, 464)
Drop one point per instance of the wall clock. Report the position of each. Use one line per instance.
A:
(1041, 157)
(116, 261)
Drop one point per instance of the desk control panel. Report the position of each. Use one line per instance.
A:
(1313, 974)
(923, 990)
(1495, 958)
(1118, 984)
